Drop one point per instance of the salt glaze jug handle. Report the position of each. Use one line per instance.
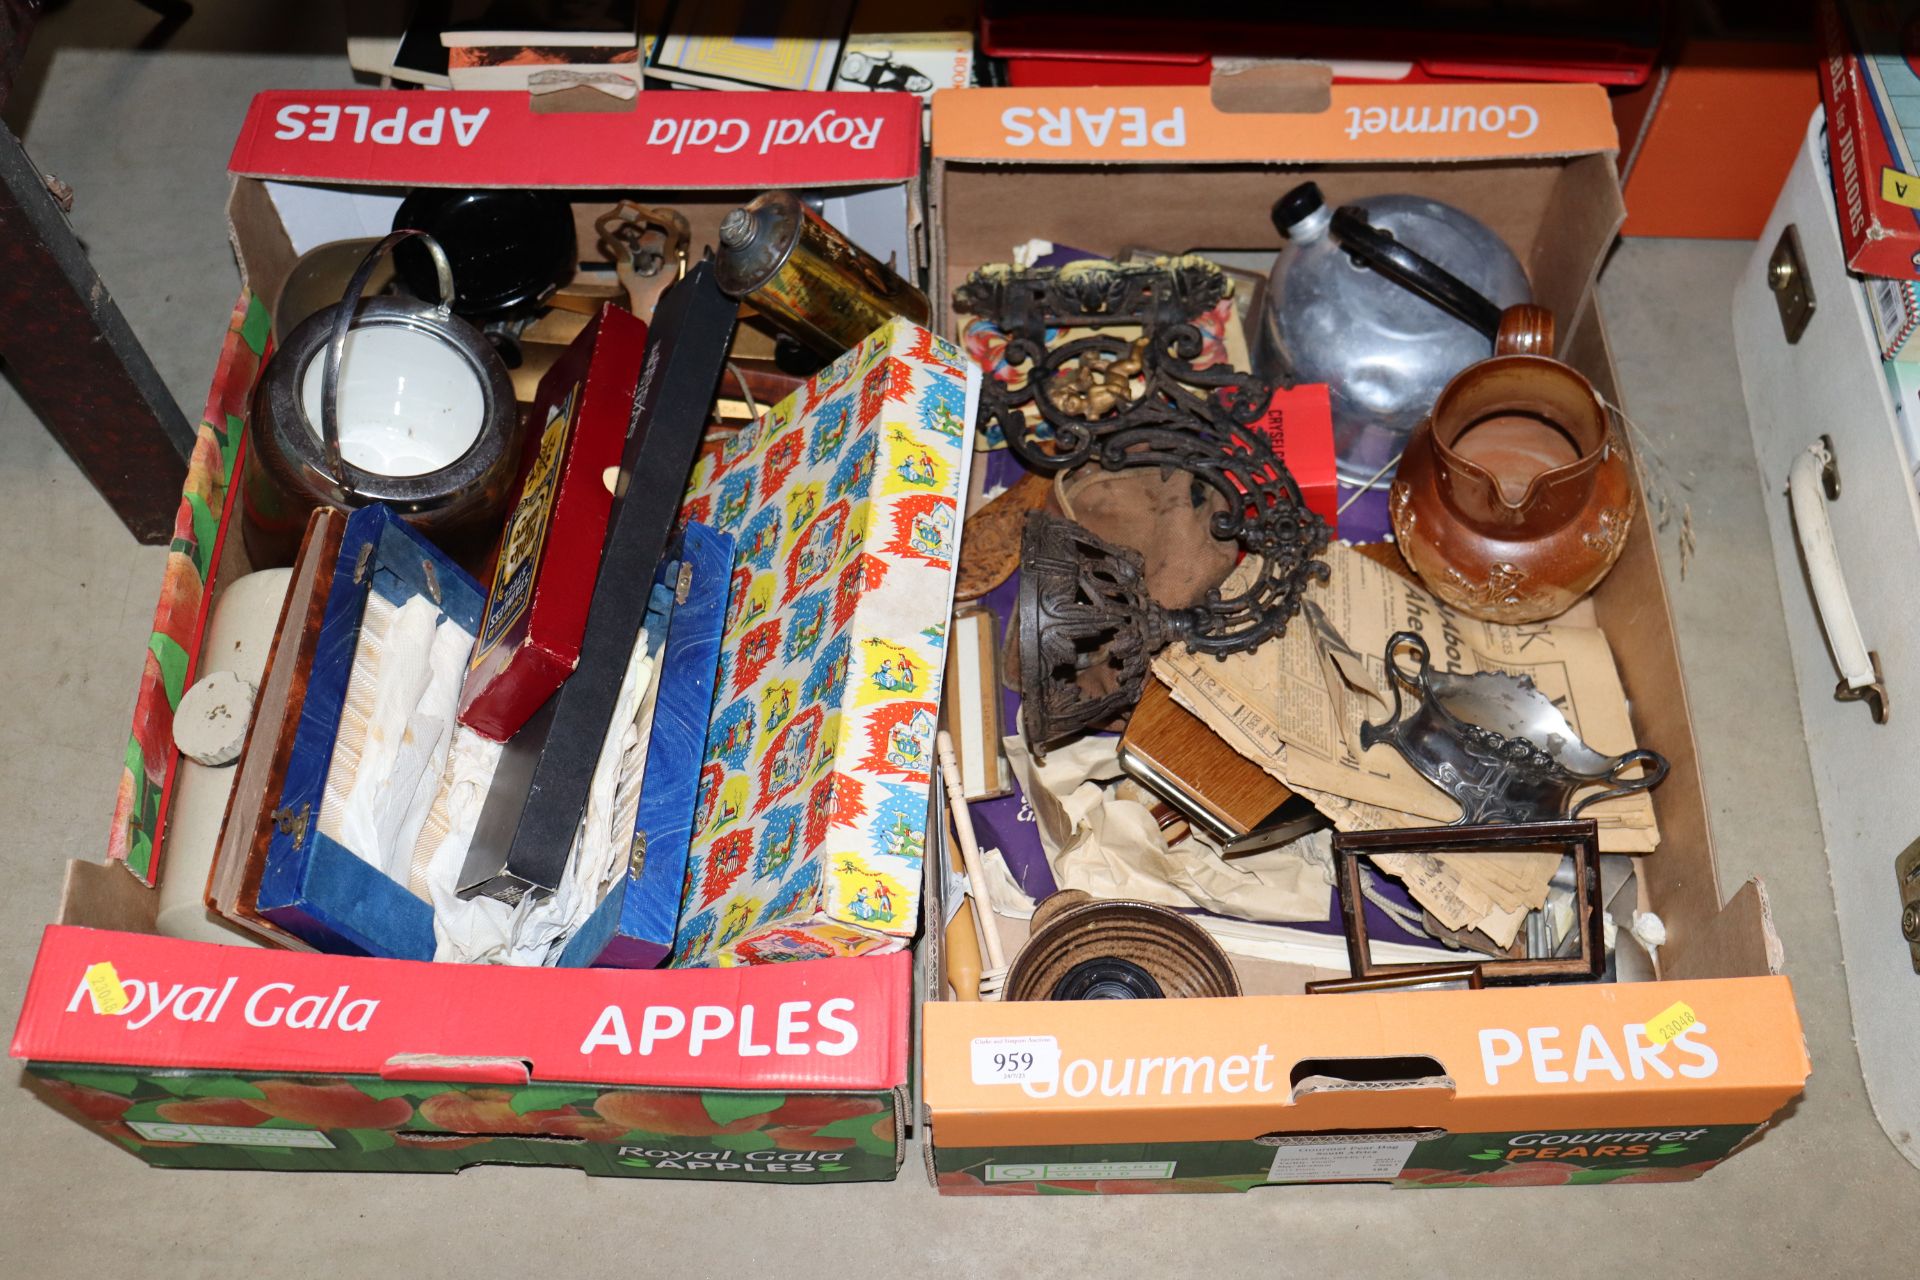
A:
(1525, 330)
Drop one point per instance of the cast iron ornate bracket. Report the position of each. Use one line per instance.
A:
(1162, 300)
(1133, 401)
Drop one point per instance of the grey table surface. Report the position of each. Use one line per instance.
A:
(143, 140)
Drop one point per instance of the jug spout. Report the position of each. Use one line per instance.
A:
(1517, 440)
(1515, 474)
(1514, 498)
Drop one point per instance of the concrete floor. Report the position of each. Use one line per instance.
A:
(143, 140)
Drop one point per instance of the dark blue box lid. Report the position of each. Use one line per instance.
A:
(312, 886)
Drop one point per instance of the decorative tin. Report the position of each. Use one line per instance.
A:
(844, 500)
(806, 278)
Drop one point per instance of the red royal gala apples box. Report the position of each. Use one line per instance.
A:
(197, 1055)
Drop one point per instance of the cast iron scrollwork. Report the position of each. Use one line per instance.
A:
(1083, 604)
(1133, 398)
(1162, 300)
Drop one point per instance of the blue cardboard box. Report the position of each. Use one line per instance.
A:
(634, 927)
(313, 886)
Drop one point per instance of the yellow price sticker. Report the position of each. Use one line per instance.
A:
(104, 985)
(1670, 1022)
(1900, 188)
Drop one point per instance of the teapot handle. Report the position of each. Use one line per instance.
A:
(1376, 248)
(336, 350)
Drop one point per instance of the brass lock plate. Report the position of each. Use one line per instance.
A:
(1792, 289)
(1906, 869)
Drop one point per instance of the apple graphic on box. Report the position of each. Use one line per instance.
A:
(682, 1115)
(331, 1106)
(238, 1113)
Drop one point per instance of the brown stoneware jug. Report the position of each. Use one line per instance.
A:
(1514, 498)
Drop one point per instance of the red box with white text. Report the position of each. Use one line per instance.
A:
(196, 1055)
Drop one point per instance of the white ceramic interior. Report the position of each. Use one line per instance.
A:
(409, 403)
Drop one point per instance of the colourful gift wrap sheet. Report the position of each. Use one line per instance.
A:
(844, 503)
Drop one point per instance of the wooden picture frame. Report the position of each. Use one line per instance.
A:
(1413, 977)
(1577, 837)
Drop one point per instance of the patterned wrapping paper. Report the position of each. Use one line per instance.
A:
(844, 500)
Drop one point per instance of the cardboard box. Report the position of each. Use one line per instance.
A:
(312, 167)
(543, 572)
(844, 503)
(1895, 308)
(1708, 140)
(1870, 91)
(1299, 423)
(635, 927)
(312, 885)
(1493, 1087)
(216, 1057)
(303, 168)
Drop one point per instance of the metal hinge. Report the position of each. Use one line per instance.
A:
(1906, 870)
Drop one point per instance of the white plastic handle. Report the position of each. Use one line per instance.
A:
(1810, 481)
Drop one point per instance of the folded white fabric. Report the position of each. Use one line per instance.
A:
(474, 929)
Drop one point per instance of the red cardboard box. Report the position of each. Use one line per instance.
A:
(229, 1057)
(550, 553)
(204, 1056)
(315, 166)
(1876, 178)
(1299, 422)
